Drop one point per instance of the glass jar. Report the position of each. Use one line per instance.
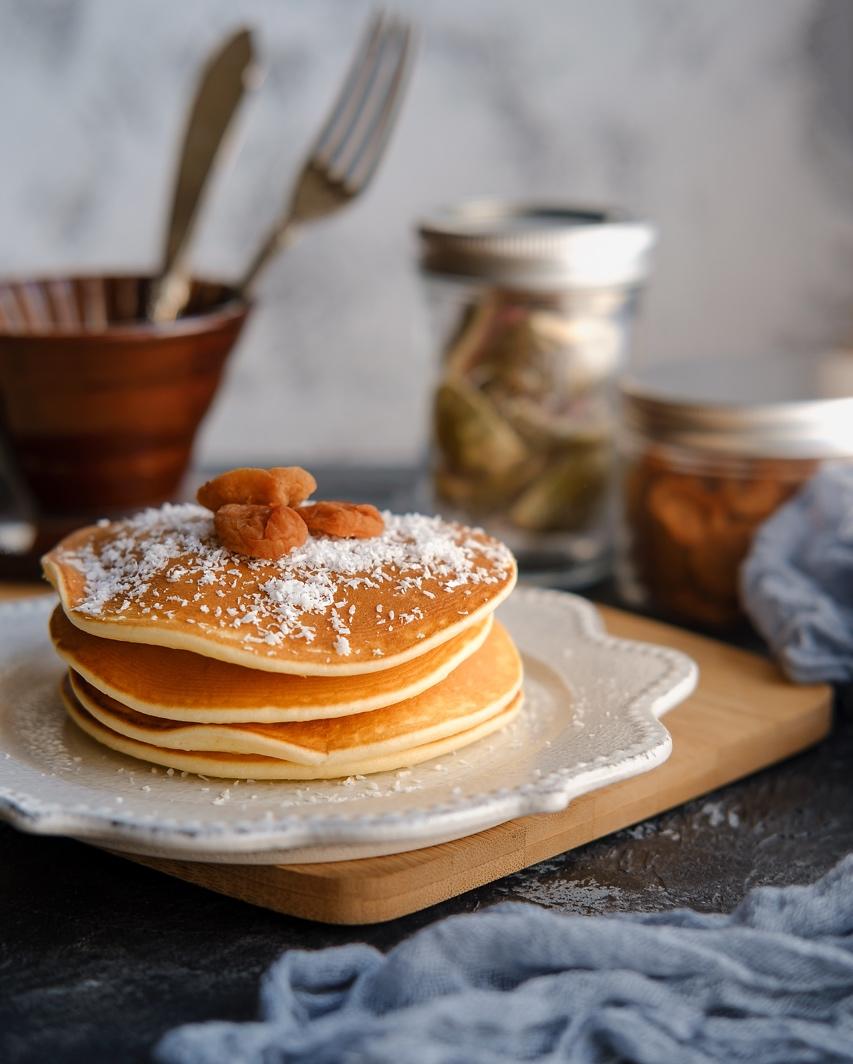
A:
(532, 308)
(708, 451)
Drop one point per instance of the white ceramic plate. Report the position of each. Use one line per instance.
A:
(590, 719)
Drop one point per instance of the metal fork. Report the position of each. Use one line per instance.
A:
(352, 141)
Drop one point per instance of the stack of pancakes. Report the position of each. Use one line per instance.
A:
(345, 657)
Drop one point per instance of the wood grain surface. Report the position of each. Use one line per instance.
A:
(743, 716)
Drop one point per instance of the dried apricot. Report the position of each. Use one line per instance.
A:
(346, 520)
(295, 483)
(259, 531)
(280, 486)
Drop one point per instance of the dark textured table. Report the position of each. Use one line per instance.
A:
(99, 956)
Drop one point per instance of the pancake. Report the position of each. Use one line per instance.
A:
(259, 767)
(182, 686)
(332, 607)
(478, 689)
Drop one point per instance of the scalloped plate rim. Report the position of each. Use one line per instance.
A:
(468, 815)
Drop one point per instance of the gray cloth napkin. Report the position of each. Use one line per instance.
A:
(797, 581)
(771, 982)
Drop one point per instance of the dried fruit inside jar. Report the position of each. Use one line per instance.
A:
(522, 415)
(687, 527)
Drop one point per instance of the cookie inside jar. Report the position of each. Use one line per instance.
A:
(708, 451)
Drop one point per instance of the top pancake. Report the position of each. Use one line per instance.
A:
(330, 607)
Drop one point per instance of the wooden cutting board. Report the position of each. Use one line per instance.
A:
(742, 717)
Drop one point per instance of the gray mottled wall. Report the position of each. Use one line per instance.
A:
(729, 124)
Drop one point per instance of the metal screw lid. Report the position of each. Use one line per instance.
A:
(774, 407)
(536, 246)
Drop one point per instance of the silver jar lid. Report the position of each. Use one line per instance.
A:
(536, 246)
(774, 407)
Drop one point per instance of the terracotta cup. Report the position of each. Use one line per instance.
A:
(99, 407)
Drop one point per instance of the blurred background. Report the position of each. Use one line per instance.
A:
(729, 125)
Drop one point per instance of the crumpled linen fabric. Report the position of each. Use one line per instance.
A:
(770, 983)
(797, 580)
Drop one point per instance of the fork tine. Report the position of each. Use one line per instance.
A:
(352, 138)
(371, 102)
(363, 63)
(372, 147)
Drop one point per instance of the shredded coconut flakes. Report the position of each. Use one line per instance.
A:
(283, 599)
